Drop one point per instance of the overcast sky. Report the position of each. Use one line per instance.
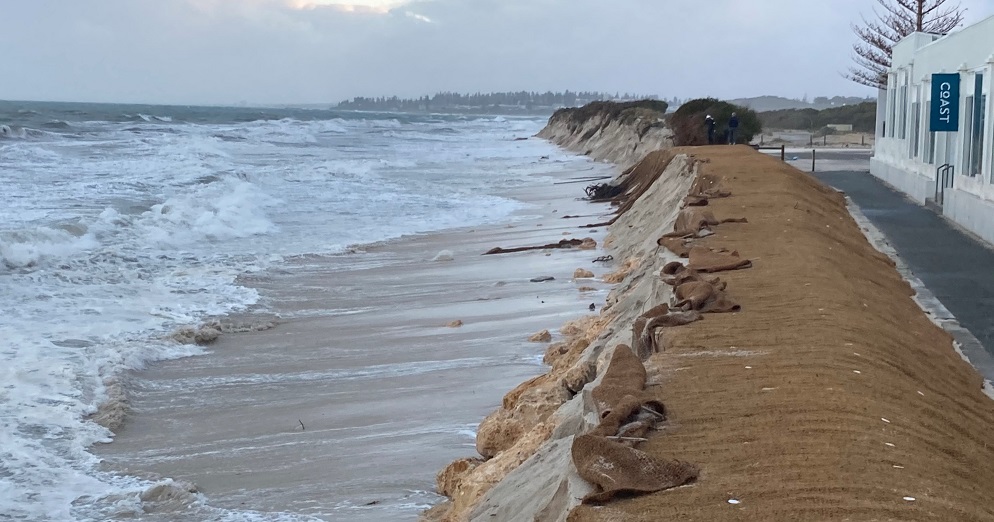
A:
(319, 51)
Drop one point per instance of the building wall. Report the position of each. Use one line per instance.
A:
(907, 154)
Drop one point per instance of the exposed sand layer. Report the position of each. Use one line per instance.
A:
(605, 137)
(826, 394)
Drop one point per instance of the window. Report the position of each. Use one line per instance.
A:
(930, 136)
(891, 95)
(977, 132)
(978, 135)
(902, 128)
(916, 118)
(968, 137)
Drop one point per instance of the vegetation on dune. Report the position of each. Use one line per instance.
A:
(862, 117)
(649, 111)
(688, 126)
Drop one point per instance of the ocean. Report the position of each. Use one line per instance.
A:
(120, 225)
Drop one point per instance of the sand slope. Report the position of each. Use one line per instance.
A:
(831, 395)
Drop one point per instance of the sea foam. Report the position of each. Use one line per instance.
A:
(117, 230)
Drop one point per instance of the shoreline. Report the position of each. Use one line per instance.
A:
(412, 298)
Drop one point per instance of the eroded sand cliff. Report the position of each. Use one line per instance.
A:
(621, 134)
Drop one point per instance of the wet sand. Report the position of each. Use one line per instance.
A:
(350, 405)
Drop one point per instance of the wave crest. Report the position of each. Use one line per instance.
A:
(26, 249)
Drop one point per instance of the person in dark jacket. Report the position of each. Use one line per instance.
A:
(733, 125)
(709, 124)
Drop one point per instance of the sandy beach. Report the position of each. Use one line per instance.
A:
(348, 415)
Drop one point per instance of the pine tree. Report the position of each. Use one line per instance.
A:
(898, 19)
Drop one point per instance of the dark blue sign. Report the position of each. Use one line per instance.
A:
(945, 103)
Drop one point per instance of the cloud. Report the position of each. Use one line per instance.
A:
(419, 17)
(349, 6)
(297, 51)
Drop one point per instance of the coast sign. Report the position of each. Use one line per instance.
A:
(945, 103)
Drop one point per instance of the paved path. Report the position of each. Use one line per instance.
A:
(827, 160)
(957, 268)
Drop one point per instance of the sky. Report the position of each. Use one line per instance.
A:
(326, 51)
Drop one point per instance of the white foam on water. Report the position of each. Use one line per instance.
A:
(115, 233)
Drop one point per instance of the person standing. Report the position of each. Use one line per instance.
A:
(709, 123)
(733, 125)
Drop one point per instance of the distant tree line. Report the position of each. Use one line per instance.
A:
(522, 101)
(862, 117)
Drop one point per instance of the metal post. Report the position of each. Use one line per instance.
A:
(812, 160)
(783, 155)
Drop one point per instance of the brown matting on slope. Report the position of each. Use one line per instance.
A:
(830, 396)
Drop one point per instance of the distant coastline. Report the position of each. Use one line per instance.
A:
(509, 103)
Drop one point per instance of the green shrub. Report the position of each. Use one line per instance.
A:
(688, 126)
(862, 116)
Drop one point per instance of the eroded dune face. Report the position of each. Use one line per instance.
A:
(528, 441)
(623, 138)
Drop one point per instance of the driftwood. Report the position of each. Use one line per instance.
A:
(583, 180)
(585, 243)
(603, 191)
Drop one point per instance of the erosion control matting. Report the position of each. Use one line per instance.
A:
(830, 396)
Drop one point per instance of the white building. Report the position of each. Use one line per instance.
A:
(952, 169)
